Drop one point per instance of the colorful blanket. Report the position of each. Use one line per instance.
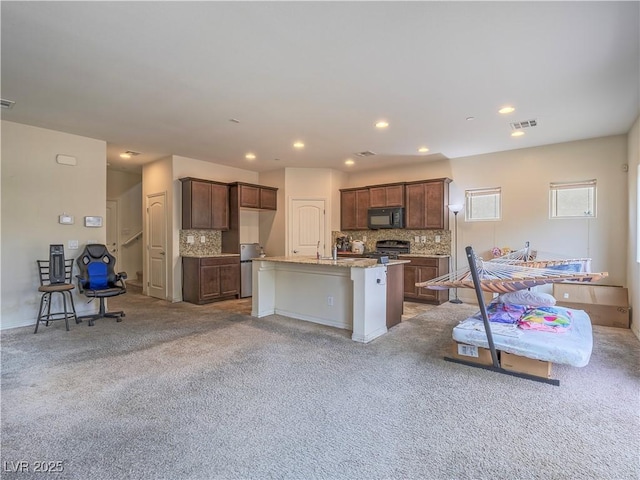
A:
(505, 312)
(547, 319)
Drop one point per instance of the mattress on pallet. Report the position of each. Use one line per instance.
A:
(572, 347)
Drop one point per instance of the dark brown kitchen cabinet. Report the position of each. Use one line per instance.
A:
(420, 270)
(382, 196)
(210, 279)
(257, 196)
(426, 204)
(395, 308)
(354, 205)
(205, 204)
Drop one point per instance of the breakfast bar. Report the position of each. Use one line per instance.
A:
(347, 293)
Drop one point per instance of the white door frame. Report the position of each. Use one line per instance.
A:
(289, 238)
(147, 250)
(113, 228)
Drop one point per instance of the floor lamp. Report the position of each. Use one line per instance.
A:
(455, 209)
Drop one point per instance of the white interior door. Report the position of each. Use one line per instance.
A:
(157, 246)
(112, 227)
(307, 227)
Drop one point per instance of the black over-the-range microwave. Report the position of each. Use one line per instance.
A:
(392, 217)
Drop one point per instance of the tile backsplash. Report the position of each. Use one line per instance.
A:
(429, 247)
(212, 242)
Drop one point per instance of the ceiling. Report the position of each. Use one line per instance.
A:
(216, 80)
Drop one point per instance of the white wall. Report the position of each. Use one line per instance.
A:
(401, 173)
(157, 178)
(313, 184)
(633, 255)
(165, 176)
(126, 189)
(524, 176)
(273, 224)
(35, 191)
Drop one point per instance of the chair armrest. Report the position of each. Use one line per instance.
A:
(81, 282)
(121, 277)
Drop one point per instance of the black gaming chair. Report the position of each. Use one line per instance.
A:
(97, 279)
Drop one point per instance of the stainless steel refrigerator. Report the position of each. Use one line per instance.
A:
(247, 252)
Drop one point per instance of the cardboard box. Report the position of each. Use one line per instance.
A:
(516, 363)
(606, 305)
(471, 353)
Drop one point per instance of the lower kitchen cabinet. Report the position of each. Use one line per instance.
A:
(210, 279)
(394, 294)
(420, 270)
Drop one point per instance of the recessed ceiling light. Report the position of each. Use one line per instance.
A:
(382, 124)
(234, 120)
(519, 133)
(423, 150)
(298, 145)
(507, 109)
(125, 155)
(250, 156)
(349, 162)
(468, 119)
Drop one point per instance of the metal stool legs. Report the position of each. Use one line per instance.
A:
(44, 312)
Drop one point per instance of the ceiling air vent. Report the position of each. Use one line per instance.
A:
(524, 124)
(366, 153)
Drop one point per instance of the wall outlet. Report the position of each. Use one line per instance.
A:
(423, 239)
(416, 239)
(330, 301)
(190, 239)
(73, 244)
(364, 239)
(566, 295)
(437, 238)
(203, 239)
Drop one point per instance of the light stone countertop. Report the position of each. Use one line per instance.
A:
(340, 262)
(424, 255)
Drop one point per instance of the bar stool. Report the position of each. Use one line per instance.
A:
(55, 277)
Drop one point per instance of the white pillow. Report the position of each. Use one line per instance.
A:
(528, 297)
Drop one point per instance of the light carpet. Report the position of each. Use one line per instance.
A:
(179, 391)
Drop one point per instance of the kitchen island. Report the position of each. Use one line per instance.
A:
(347, 293)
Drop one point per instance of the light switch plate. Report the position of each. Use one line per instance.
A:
(190, 239)
(203, 239)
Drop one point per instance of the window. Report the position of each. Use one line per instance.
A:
(572, 199)
(483, 204)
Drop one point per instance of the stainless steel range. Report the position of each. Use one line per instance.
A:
(390, 249)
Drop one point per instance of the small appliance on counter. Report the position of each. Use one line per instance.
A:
(343, 244)
(357, 246)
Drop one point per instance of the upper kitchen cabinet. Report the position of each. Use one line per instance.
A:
(426, 203)
(256, 196)
(382, 196)
(354, 205)
(205, 204)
